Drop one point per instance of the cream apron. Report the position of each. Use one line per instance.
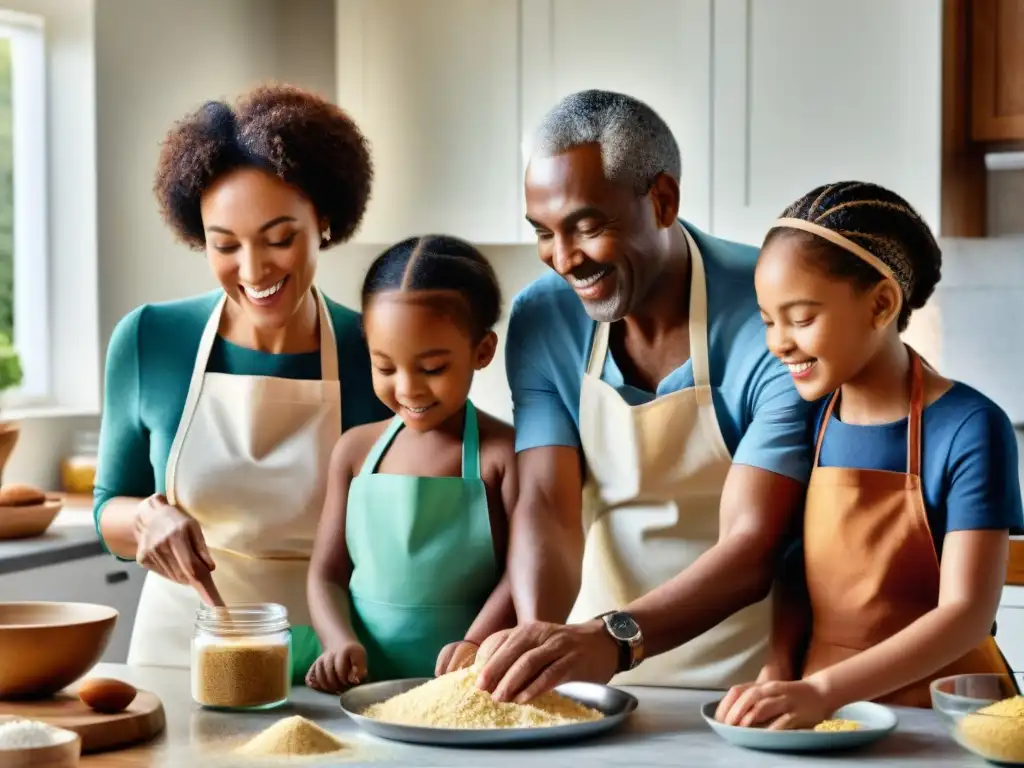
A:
(655, 474)
(249, 463)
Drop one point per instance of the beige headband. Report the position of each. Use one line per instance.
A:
(845, 243)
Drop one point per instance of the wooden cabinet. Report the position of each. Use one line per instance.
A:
(434, 85)
(807, 92)
(658, 51)
(100, 579)
(997, 70)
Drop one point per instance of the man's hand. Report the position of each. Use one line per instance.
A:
(522, 663)
(457, 655)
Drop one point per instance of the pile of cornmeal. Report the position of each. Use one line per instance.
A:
(996, 731)
(835, 726)
(454, 701)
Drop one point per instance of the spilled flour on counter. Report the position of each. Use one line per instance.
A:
(292, 737)
(996, 731)
(454, 701)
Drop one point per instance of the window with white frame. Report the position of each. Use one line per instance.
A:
(24, 254)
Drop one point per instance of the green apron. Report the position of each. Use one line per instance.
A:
(422, 558)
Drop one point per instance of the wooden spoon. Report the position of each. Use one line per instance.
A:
(208, 591)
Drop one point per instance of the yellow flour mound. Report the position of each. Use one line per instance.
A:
(291, 736)
(454, 701)
(997, 731)
(837, 725)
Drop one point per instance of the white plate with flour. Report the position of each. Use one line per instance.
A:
(876, 723)
(614, 704)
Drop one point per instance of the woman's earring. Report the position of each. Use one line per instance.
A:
(326, 234)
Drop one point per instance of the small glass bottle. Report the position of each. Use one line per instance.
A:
(241, 657)
(78, 471)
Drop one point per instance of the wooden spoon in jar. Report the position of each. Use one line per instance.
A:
(208, 591)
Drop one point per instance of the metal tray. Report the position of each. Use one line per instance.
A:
(615, 704)
(877, 721)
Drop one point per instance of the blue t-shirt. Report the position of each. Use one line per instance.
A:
(763, 420)
(969, 469)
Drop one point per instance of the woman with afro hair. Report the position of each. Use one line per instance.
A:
(221, 410)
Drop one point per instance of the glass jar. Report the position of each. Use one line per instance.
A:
(241, 657)
(78, 471)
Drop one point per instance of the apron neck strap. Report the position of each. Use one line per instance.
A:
(697, 324)
(916, 409)
(381, 446)
(470, 445)
(913, 419)
(328, 341)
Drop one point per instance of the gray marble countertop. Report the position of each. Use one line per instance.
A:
(71, 536)
(666, 730)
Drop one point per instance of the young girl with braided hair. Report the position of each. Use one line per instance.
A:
(407, 574)
(915, 484)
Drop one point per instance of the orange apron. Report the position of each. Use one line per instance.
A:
(870, 559)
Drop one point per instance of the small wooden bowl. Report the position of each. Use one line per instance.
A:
(26, 522)
(63, 755)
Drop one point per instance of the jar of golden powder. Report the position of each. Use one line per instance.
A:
(241, 657)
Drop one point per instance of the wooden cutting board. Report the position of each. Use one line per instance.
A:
(141, 721)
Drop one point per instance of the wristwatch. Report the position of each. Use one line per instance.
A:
(626, 633)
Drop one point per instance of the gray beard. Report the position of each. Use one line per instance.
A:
(607, 310)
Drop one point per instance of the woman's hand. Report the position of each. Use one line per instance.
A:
(338, 669)
(457, 655)
(171, 543)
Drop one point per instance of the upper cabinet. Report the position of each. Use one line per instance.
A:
(434, 86)
(997, 70)
(447, 90)
(808, 92)
(766, 99)
(656, 50)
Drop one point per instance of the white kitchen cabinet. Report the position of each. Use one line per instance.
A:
(99, 579)
(812, 91)
(434, 86)
(656, 50)
(1010, 627)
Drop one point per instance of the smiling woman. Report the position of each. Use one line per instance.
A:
(221, 410)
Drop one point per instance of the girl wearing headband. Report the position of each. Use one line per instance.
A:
(915, 483)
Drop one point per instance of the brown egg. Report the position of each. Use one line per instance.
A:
(106, 695)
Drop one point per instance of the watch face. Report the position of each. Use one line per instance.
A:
(622, 626)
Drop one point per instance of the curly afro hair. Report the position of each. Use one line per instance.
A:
(299, 137)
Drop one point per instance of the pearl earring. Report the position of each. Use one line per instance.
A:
(326, 234)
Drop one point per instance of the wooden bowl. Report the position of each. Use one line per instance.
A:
(63, 755)
(54, 644)
(25, 522)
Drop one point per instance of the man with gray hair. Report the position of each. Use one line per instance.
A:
(662, 451)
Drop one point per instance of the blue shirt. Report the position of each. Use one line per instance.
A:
(763, 420)
(969, 465)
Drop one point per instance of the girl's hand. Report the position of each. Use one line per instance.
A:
(777, 705)
(455, 656)
(171, 543)
(769, 672)
(338, 669)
